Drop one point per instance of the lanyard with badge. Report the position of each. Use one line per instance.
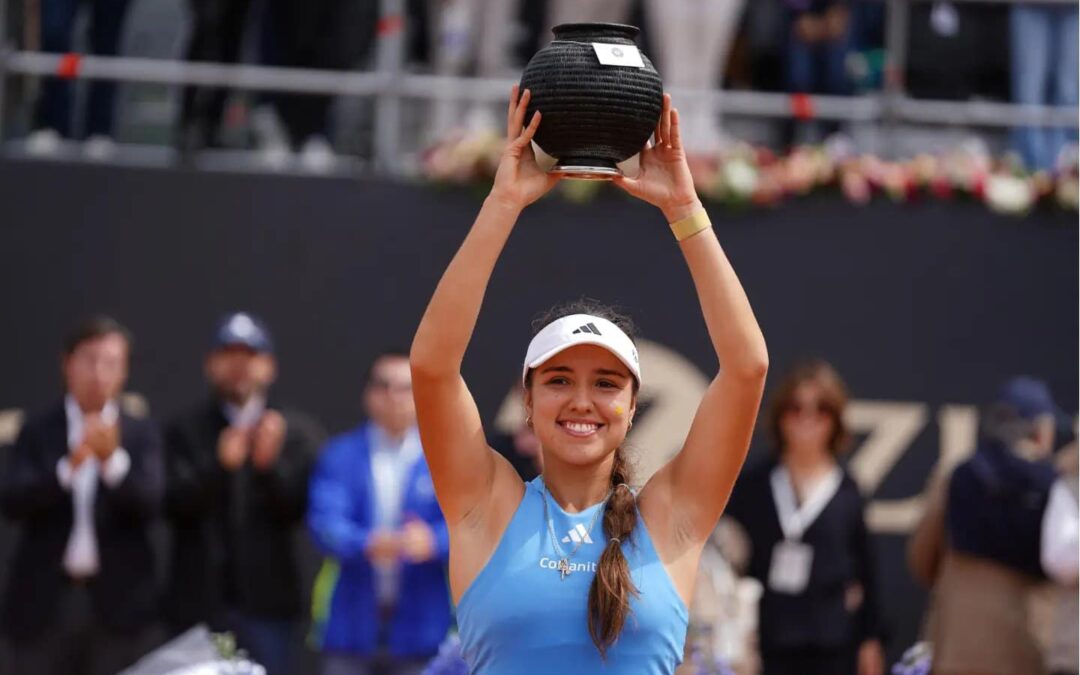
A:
(792, 559)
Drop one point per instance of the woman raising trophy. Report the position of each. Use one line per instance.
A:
(579, 571)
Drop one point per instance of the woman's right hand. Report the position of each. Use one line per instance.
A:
(519, 180)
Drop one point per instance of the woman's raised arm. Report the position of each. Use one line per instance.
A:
(463, 467)
(693, 488)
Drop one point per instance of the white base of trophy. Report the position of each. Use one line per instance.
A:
(578, 171)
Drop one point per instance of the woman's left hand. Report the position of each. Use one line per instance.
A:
(664, 179)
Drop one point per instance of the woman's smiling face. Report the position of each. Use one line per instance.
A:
(581, 402)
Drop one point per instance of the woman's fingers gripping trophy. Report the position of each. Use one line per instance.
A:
(519, 180)
(664, 179)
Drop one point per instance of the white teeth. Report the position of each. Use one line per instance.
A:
(581, 428)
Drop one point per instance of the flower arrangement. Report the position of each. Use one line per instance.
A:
(915, 661)
(744, 175)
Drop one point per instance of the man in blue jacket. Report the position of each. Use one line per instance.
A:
(381, 602)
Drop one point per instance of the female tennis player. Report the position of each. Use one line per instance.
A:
(577, 572)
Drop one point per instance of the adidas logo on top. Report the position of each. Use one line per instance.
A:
(578, 534)
(588, 328)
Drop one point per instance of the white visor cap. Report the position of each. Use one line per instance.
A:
(581, 329)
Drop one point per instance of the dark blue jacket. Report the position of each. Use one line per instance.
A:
(996, 506)
(341, 516)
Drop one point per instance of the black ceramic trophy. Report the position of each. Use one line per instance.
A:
(599, 96)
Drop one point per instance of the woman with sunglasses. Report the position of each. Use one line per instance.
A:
(803, 516)
(577, 571)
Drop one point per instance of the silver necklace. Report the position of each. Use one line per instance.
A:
(564, 558)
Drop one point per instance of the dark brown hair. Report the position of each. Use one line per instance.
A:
(834, 397)
(93, 328)
(612, 587)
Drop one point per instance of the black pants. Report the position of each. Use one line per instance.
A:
(216, 36)
(77, 644)
(308, 35)
(57, 23)
(807, 661)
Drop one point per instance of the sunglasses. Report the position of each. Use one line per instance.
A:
(394, 387)
(820, 408)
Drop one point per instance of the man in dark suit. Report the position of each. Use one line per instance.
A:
(237, 474)
(84, 482)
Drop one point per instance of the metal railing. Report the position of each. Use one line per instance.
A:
(389, 85)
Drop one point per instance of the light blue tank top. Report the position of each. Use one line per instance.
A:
(519, 617)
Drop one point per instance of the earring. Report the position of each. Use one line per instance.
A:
(630, 425)
(528, 421)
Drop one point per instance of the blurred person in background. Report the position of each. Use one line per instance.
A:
(1043, 45)
(84, 482)
(809, 547)
(382, 605)
(217, 31)
(818, 40)
(585, 11)
(237, 473)
(53, 113)
(1001, 521)
(693, 40)
(1055, 607)
(470, 36)
(306, 34)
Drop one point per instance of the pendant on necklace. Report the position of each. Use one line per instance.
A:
(564, 569)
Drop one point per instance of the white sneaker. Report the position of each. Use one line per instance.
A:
(99, 148)
(267, 128)
(43, 142)
(317, 155)
(275, 156)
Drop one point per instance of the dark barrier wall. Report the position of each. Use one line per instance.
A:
(924, 308)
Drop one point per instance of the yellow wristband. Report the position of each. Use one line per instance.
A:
(691, 225)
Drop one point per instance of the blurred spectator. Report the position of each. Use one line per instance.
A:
(1056, 607)
(216, 36)
(238, 468)
(809, 546)
(84, 482)
(522, 450)
(53, 113)
(470, 36)
(306, 35)
(866, 60)
(1001, 521)
(692, 40)
(1043, 42)
(382, 605)
(957, 34)
(818, 39)
(584, 11)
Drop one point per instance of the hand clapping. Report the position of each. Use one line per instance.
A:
(102, 439)
(267, 440)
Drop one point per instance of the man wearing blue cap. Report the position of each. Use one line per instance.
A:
(237, 473)
(1003, 521)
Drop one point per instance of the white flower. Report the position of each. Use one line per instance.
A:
(1009, 194)
(740, 177)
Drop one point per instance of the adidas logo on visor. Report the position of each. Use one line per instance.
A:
(588, 328)
(578, 534)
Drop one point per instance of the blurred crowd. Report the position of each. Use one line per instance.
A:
(788, 583)
(831, 47)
